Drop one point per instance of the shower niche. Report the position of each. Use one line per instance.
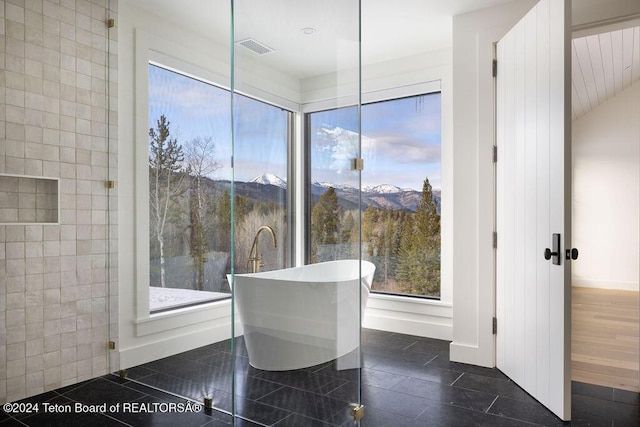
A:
(29, 200)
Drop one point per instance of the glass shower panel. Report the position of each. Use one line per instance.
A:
(334, 140)
(261, 214)
(296, 316)
(183, 123)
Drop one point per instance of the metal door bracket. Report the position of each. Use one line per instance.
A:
(357, 164)
(208, 402)
(357, 411)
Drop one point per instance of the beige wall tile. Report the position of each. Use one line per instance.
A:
(54, 121)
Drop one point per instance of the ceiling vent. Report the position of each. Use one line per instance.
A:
(255, 46)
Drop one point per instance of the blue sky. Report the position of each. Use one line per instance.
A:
(400, 143)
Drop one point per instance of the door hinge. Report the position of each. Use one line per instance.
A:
(495, 154)
(111, 23)
(111, 345)
(494, 326)
(494, 68)
(495, 240)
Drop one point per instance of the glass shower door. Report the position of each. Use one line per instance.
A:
(182, 131)
(297, 287)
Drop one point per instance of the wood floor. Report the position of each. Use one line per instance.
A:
(605, 342)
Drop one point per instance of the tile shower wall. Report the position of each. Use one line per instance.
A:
(56, 121)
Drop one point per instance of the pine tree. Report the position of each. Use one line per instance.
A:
(419, 265)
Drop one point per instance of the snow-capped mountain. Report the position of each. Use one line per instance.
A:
(382, 196)
(270, 179)
(383, 189)
(325, 185)
(376, 189)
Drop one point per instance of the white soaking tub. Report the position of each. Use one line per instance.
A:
(302, 316)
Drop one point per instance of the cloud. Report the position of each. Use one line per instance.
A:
(341, 145)
(402, 150)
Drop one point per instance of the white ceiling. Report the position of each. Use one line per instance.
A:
(603, 65)
(389, 30)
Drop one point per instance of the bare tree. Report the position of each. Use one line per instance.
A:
(201, 164)
(166, 181)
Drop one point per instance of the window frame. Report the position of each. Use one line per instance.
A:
(372, 97)
(145, 321)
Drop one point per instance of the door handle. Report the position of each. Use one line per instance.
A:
(571, 254)
(555, 254)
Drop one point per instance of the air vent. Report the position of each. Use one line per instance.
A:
(255, 46)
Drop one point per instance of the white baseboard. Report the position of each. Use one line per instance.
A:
(412, 316)
(463, 353)
(422, 328)
(605, 284)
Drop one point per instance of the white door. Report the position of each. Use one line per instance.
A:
(533, 294)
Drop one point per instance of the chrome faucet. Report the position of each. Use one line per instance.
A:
(254, 258)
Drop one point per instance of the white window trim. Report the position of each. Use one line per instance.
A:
(151, 50)
(399, 313)
(168, 55)
(369, 97)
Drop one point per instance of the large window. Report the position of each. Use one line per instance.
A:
(190, 206)
(401, 184)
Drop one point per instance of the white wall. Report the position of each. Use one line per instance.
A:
(606, 193)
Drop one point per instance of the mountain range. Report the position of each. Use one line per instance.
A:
(381, 196)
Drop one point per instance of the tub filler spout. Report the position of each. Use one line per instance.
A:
(255, 259)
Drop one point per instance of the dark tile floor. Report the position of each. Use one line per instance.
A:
(406, 381)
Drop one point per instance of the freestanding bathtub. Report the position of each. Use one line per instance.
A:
(302, 316)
